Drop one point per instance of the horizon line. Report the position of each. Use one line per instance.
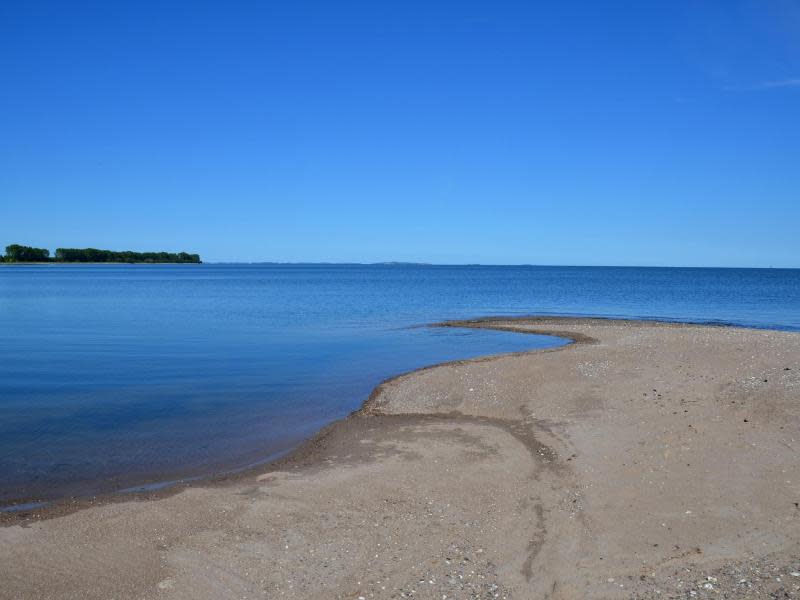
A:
(434, 264)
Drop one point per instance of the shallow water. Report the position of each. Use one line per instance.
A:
(118, 376)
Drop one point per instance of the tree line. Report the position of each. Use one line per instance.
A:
(17, 253)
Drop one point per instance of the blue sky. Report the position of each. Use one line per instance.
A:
(642, 133)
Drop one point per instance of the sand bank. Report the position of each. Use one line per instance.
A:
(643, 460)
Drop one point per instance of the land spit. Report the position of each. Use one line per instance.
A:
(645, 460)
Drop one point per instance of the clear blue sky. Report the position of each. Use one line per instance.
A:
(648, 133)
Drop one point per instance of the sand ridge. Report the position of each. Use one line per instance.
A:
(644, 460)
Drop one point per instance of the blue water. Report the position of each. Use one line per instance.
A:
(118, 376)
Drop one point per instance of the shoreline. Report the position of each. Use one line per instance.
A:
(632, 461)
(105, 262)
(39, 510)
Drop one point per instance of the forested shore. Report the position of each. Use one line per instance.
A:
(16, 253)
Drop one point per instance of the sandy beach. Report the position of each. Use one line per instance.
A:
(644, 460)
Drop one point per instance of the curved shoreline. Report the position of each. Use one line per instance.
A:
(632, 464)
(303, 454)
(34, 508)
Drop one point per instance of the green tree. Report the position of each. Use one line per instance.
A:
(95, 255)
(18, 253)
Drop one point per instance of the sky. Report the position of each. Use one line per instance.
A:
(573, 133)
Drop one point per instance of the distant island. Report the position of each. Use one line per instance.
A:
(27, 254)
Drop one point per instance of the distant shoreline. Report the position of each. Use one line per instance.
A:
(422, 264)
(106, 262)
(17, 253)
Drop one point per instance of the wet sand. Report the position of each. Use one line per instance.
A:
(645, 460)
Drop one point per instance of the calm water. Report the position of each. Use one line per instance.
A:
(115, 376)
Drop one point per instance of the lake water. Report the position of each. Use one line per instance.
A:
(115, 376)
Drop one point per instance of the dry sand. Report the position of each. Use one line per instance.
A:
(644, 460)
